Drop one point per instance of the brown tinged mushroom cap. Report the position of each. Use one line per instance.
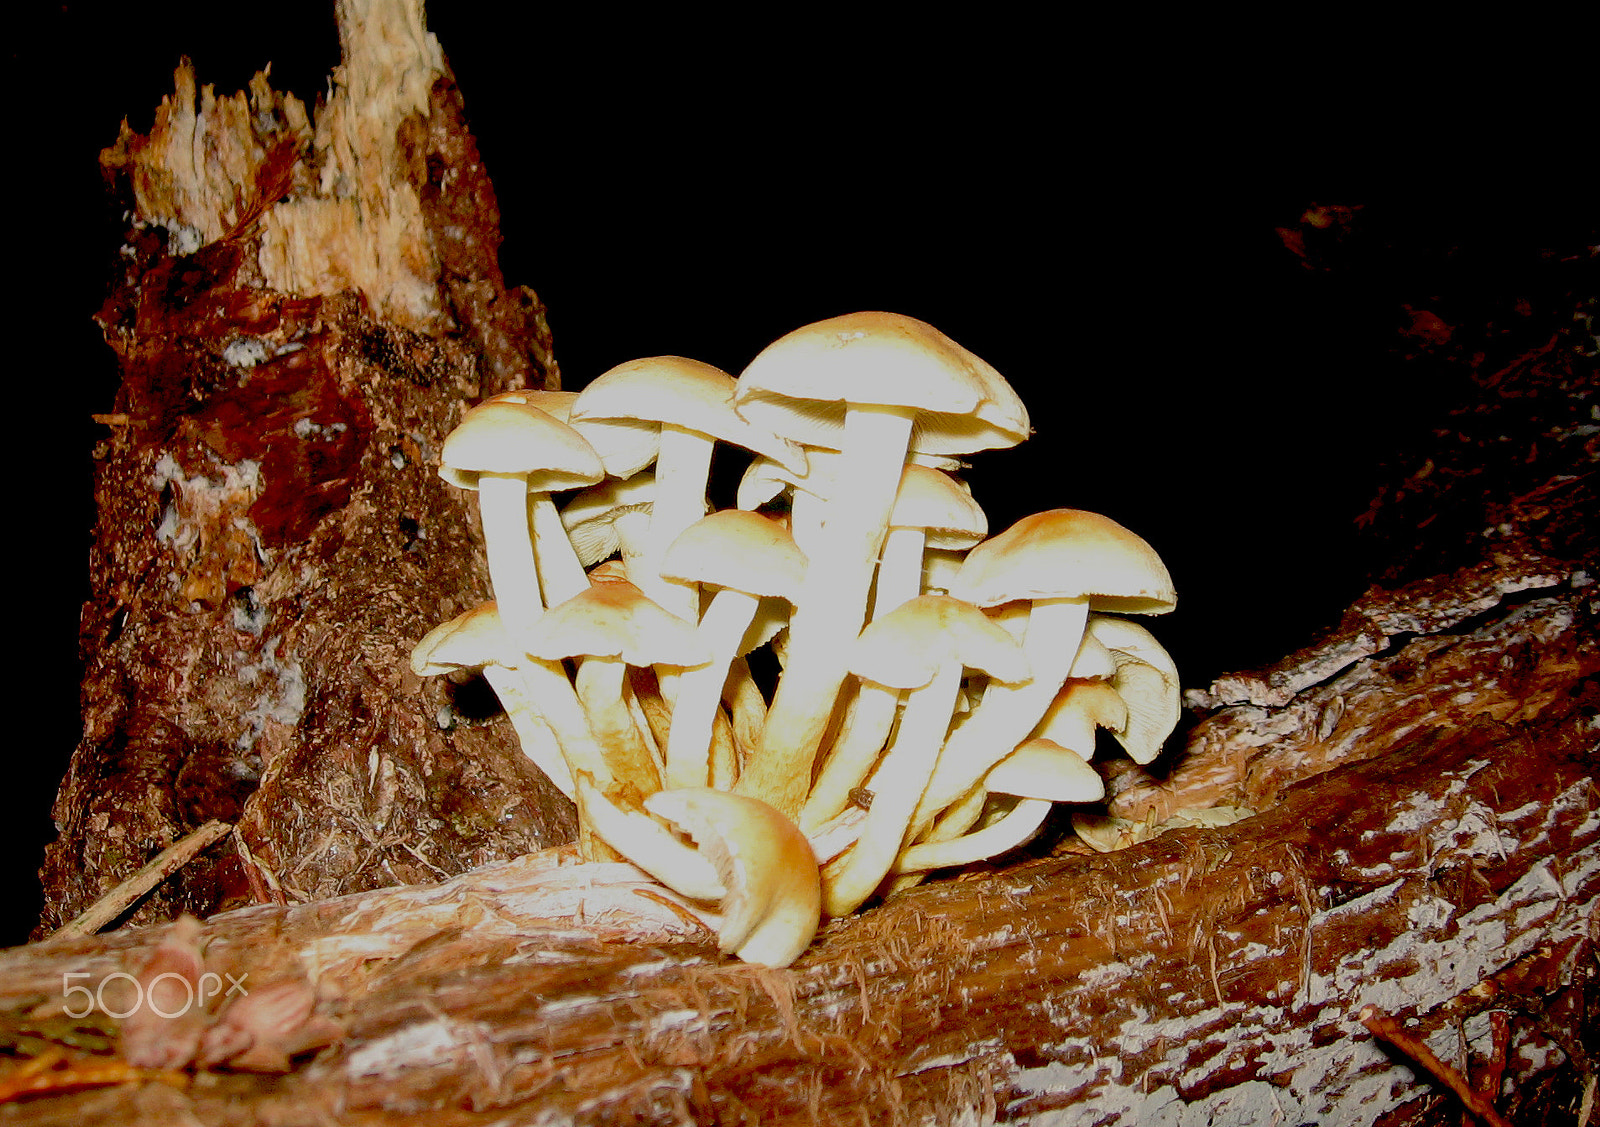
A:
(774, 899)
(1079, 708)
(616, 620)
(505, 436)
(1065, 553)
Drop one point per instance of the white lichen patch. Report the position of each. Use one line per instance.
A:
(282, 695)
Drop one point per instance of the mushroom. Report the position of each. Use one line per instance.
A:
(921, 646)
(514, 455)
(1039, 774)
(747, 557)
(866, 384)
(610, 517)
(611, 626)
(1062, 561)
(476, 640)
(746, 854)
(1146, 679)
(690, 403)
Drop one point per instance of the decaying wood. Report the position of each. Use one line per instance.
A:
(1427, 838)
(302, 315)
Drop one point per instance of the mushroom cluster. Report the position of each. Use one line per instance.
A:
(939, 689)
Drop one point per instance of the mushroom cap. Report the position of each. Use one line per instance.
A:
(642, 394)
(615, 620)
(593, 517)
(799, 385)
(940, 505)
(1147, 679)
(1067, 554)
(507, 437)
(774, 891)
(738, 549)
(905, 648)
(473, 638)
(1077, 710)
(1042, 768)
(556, 404)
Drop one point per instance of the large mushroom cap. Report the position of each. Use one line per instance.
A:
(508, 437)
(963, 404)
(1067, 553)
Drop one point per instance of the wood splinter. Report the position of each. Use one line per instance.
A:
(1382, 1025)
(163, 865)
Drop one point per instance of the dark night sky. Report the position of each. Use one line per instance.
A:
(1093, 221)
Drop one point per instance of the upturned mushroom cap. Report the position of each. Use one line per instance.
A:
(1067, 553)
(609, 516)
(1146, 679)
(774, 894)
(963, 404)
(508, 437)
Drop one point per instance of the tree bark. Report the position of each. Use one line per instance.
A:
(301, 319)
(1425, 833)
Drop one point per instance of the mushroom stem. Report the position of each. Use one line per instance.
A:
(861, 738)
(682, 468)
(538, 742)
(896, 786)
(508, 544)
(600, 690)
(561, 576)
(831, 607)
(1007, 712)
(723, 626)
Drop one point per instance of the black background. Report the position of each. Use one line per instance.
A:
(1091, 209)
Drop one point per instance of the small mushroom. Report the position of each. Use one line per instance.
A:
(746, 557)
(611, 626)
(1038, 774)
(514, 455)
(689, 402)
(476, 640)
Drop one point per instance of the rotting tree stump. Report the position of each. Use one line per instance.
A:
(1427, 836)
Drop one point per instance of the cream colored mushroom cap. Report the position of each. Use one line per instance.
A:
(1067, 553)
(642, 394)
(473, 638)
(508, 437)
(941, 505)
(798, 386)
(615, 620)
(1042, 768)
(905, 648)
(738, 549)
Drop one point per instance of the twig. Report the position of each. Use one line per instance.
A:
(165, 863)
(1384, 1026)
